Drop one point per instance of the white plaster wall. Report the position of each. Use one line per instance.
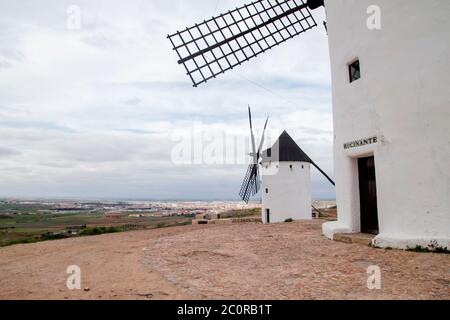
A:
(289, 191)
(403, 97)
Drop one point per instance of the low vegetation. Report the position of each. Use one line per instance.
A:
(99, 230)
(18, 241)
(242, 213)
(432, 247)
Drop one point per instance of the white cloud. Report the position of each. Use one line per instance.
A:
(91, 112)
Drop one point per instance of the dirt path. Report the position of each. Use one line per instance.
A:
(111, 268)
(243, 261)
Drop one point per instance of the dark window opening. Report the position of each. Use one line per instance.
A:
(354, 71)
(269, 152)
(267, 190)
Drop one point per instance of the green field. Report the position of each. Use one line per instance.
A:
(32, 223)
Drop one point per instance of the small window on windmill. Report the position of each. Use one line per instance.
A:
(354, 71)
(290, 166)
(267, 190)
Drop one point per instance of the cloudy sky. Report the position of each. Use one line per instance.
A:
(105, 111)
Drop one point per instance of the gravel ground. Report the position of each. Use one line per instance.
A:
(292, 261)
(242, 261)
(111, 268)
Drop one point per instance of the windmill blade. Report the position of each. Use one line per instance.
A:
(221, 43)
(250, 185)
(322, 172)
(252, 136)
(246, 183)
(262, 137)
(257, 181)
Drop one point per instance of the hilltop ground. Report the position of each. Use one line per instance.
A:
(243, 261)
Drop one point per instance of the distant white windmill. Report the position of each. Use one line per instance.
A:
(285, 177)
(286, 182)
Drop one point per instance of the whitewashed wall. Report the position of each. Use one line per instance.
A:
(289, 193)
(403, 97)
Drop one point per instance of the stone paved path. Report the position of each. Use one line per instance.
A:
(291, 261)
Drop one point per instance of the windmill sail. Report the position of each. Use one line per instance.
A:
(252, 136)
(323, 172)
(250, 185)
(221, 43)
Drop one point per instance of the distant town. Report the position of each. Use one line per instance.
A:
(130, 208)
(25, 221)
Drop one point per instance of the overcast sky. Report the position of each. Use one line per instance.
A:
(103, 111)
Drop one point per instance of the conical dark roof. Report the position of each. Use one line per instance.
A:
(285, 149)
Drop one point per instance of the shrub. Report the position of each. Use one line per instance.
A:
(289, 220)
(49, 236)
(99, 230)
(18, 241)
(432, 247)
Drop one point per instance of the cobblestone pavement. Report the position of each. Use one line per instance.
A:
(291, 261)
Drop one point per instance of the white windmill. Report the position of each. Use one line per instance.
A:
(285, 178)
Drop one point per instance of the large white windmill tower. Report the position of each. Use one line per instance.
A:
(391, 113)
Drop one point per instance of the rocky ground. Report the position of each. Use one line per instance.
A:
(242, 261)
